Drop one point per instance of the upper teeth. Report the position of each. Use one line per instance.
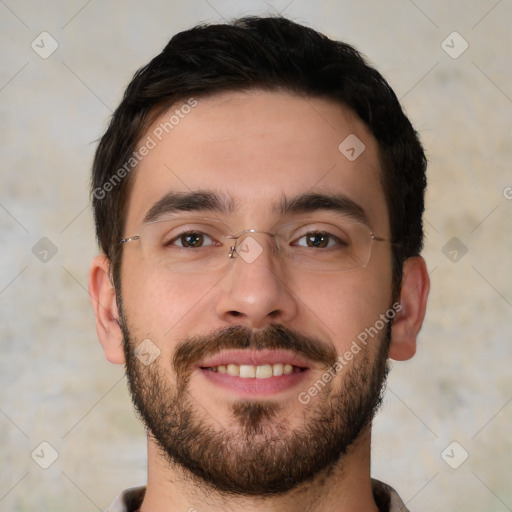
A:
(249, 371)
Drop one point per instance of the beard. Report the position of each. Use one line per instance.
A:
(260, 454)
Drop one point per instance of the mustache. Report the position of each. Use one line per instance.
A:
(194, 349)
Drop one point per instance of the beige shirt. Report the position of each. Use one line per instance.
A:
(385, 496)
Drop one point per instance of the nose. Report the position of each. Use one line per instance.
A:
(257, 289)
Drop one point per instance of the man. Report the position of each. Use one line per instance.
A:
(258, 198)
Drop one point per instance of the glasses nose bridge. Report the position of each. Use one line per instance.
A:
(238, 246)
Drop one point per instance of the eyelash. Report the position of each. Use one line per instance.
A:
(185, 233)
(325, 233)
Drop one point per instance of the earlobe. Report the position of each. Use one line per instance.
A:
(413, 299)
(104, 304)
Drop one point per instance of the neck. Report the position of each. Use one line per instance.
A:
(343, 488)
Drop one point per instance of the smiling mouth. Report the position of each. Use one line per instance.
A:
(249, 371)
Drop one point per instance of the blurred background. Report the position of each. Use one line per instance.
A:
(69, 437)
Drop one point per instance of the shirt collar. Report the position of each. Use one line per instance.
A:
(386, 497)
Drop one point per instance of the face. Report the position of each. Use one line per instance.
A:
(253, 390)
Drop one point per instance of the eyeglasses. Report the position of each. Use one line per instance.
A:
(205, 246)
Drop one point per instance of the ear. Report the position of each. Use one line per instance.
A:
(413, 299)
(104, 304)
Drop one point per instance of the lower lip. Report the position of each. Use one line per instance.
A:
(255, 387)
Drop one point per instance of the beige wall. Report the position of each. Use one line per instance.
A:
(55, 385)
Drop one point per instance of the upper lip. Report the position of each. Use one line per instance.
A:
(255, 358)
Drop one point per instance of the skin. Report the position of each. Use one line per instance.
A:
(258, 147)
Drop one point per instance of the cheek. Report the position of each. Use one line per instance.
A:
(343, 306)
(159, 306)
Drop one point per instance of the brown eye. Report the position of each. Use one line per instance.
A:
(319, 240)
(192, 239)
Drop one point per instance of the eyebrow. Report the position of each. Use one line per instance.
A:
(220, 203)
(201, 201)
(312, 202)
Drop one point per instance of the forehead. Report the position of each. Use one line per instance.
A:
(258, 147)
